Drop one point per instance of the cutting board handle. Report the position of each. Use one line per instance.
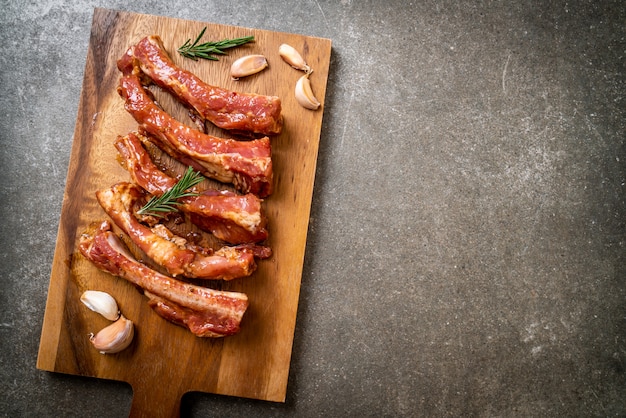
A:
(154, 404)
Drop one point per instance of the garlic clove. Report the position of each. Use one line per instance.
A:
(293, 58)
(102, 303)
(304, 93)
(248, 65)
(114, 338)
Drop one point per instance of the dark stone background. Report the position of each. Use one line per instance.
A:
(467, 239)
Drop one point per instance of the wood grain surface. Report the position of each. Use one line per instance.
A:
(166, 361)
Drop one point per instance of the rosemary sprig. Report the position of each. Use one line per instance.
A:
(168, 201)
(208, 50)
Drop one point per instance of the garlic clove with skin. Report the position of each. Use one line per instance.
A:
(114, 338)
(248, 65)
(292, 57)
(304, 93)
(102, 303)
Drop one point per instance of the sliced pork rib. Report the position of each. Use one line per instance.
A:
(205, 312)
(245, 164)
(233, 218)
(240, 112)
(170, 251)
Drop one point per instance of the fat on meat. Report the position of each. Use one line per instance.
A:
(231, 217)
(170, 251)
(245, 164)
(205, 312)
(234, 111)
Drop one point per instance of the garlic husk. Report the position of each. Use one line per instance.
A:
(248, 65)
(102, 303)
(304, 93)
(293, 58)
(114, 338)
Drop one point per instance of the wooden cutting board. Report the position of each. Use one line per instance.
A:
(166, 361)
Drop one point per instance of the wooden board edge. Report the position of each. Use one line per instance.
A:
(51, 330)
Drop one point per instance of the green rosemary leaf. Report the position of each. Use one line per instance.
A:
(209, 50)
(168, 201)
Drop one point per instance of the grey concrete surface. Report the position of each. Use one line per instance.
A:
(467, 239)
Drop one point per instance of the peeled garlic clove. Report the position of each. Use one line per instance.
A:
(304, 94)
(293, 58)
(102, 303)
(115, 337)
(248, 65)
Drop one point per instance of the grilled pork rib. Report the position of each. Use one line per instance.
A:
(172, 252)
(205, 312)
(245, 164)
(239, 112)
(233, 218)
